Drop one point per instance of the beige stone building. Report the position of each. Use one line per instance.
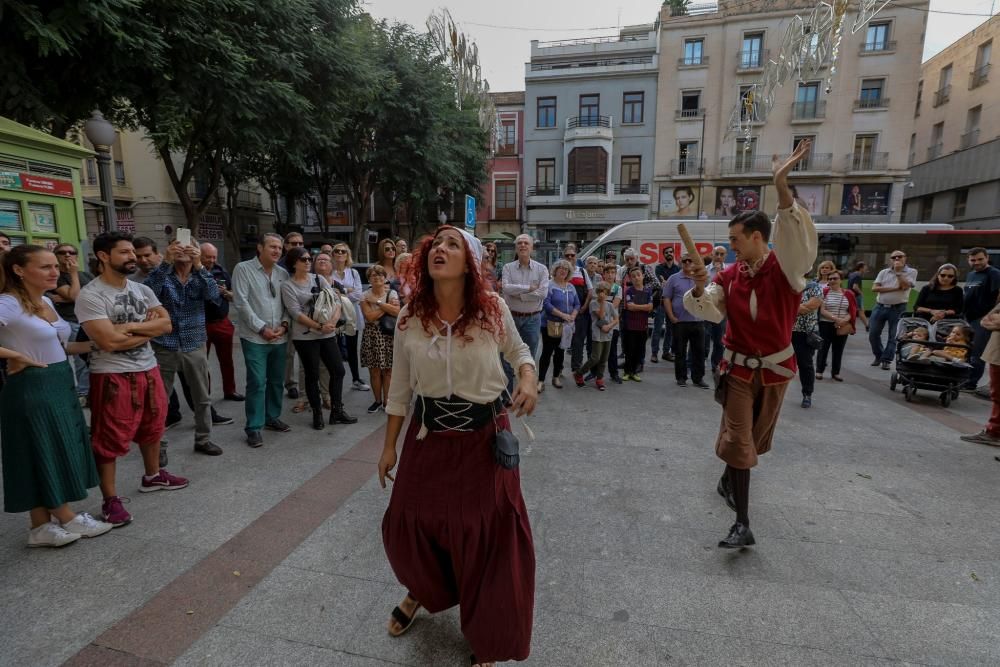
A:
(955, 145)
(859, 116)
(147, 205)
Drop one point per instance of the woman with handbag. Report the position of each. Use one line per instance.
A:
(456, 530)
(314, 336)
(322, 265)
(351, 280)
(561, 306)
(806, 339)
(836, 323)
(380, 306)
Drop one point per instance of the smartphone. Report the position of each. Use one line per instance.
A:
(184, 236)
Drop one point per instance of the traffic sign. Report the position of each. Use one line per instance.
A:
(470, 212)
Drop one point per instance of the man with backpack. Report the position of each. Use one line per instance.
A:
(982, 287)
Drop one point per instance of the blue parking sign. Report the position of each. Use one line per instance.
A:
(470, 212)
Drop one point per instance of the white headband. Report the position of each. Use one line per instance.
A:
(475, 245)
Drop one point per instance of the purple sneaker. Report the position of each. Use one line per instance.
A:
(163, 481)
(114, 512)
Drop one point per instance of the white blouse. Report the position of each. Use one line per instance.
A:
(439, 365)
(32, 335)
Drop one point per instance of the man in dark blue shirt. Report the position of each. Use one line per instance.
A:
(663, 271)
(183, 287)
(982, 287)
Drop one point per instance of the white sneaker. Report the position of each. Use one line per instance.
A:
(358, 385)
(85, 525)
(50, 535)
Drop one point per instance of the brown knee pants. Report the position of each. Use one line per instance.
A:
(748, 420)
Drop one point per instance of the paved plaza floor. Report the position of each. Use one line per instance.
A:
(877, 543)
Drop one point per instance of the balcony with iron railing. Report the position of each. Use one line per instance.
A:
(867, 161)
(589, 128)
(748, 61)
(745, 164)
(934, 151)
(969, 139)
(692, 61)
(506, 150)
(979, 76)
(543, 190)
(871, 103)
(942, 95)
(808, 112)
(602, 62)
(574, 122)
(249, 199)
(587, 189)
(689, 114)
(813, 163)
(878, 46)
(690, 166)
(632, 188)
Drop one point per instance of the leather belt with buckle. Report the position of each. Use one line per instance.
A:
(517, 314)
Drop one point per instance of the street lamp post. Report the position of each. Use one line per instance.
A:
(102, 135)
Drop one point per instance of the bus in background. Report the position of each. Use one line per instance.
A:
(927, 246)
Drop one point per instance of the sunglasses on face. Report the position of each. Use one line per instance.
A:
(686, 261)
(946, 275)
(67, 252)
(340, 251)
(307, 260)
(898, 257)
(296, 244)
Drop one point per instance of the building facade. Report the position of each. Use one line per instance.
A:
(501, 202)
(955, 145)
(590, 117)
(41, 202)
(711, 57)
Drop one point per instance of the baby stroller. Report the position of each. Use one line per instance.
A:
(921, 363)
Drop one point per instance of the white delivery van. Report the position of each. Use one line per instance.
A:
(650, 237)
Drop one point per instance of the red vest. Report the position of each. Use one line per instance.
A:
(777, 308)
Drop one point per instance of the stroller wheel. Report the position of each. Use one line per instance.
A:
(893, 381)
(945, 398)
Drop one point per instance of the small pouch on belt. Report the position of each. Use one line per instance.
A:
(506, 448)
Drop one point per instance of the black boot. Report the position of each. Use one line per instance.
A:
(338, 416)
(318, 420)
(739, 537)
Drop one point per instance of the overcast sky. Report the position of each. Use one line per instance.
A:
(504, 48)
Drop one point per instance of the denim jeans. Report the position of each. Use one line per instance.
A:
(529, 329)
(80, 367)
(884, 315)
(580, 335)
(661, 332)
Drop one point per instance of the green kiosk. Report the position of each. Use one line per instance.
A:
(40, 197)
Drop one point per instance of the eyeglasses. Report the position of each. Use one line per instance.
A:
(686, 261)
(339, 251)
(898, 257)
(67, 252)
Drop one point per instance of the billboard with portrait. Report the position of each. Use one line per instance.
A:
(865, 199)
(733, 199)
(678, 202)
(810, 197)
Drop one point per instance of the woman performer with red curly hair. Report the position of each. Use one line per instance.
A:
(456, 530)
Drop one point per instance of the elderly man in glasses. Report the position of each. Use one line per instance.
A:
(262, 326)
(892, 293)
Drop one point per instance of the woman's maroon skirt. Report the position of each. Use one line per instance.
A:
(457, 532)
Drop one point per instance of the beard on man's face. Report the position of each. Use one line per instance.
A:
(126, 268)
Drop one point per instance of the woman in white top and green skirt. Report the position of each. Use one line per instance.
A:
(47, 459)
(456, 530)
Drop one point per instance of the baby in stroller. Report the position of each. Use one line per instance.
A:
(931, 356)
(956, 350)
(910, 341)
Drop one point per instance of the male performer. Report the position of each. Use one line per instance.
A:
(760, 295)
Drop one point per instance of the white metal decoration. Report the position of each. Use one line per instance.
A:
(810, 43)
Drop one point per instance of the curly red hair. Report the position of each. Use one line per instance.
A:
(481, 307)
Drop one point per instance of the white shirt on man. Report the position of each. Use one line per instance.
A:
(99, 300)
(889, 278)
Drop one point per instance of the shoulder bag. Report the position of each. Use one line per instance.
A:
(387, 323)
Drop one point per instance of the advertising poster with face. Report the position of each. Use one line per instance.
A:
(810, 197)
(731, 200)
(679, 202)
(865, 199)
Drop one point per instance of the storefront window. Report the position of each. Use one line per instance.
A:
(10, 216)
(43, 218)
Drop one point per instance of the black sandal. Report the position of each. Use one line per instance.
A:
(404, 621)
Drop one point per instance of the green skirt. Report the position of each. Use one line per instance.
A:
(44, 440)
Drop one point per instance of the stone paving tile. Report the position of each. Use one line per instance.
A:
(232, 647)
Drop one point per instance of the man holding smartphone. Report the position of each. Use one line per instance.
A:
(220, 329)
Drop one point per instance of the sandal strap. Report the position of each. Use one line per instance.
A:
(401, 618)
